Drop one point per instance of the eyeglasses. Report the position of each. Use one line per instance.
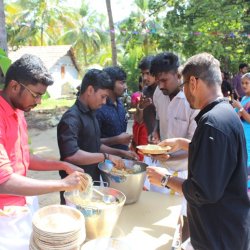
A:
(184, 82)
(34, 95)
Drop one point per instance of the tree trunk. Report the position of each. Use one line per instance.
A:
(3, 34)
(112, 33)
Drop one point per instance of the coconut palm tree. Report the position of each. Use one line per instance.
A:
(86, 33)
(112, 33)
(36, 22)
(139, 29)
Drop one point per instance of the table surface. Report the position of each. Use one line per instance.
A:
(149, 223)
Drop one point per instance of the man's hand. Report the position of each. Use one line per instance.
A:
(144, 102)
(176, 144)
(130, 155)
(125, 138)
(160, 157)
(118, 162)
(155, 174)
(70, 168)
(154, 138)
(76, 180)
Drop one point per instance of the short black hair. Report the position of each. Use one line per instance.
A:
(96, 78)
(243, 65)
(145, 63)
(164, 62)
(29, 69)
(115, 73)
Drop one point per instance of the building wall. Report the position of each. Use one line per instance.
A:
(65, 77)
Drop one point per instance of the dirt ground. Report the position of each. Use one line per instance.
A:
(43, 142)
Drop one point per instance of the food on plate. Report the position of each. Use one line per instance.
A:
(153, 149)
(132, 110)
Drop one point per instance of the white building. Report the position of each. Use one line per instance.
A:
(61, 63)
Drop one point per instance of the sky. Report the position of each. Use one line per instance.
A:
(120, 8)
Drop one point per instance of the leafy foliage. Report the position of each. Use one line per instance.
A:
(185, 27)
(4, 61)
(218, 27)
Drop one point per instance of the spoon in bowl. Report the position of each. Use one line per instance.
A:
(106, 198)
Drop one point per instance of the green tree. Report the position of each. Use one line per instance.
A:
(112, 33)
(4, 65)
(218, 27)
(86, 34)
(140, 28)
(35, 22)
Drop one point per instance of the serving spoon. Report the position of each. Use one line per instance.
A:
(106, 198)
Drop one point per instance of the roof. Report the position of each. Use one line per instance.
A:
(48, 54)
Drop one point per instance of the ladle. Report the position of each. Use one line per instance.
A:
(106, 198)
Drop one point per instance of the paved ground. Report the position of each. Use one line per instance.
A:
(44, 144)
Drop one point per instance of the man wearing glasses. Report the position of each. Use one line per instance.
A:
(26, 81)
(216, 187)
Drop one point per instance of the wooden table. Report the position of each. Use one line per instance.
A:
(149, 223)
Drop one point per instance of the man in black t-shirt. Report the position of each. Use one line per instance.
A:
(78, 132)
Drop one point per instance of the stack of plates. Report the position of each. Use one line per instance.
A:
(57, 227)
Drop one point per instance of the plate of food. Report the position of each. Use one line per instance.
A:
(132, 110)
(153, 149)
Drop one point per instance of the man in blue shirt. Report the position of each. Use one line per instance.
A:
(112, 116)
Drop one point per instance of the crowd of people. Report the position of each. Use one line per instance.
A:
(193, 108)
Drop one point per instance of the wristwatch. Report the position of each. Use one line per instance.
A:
(241, 109)
(164, 180)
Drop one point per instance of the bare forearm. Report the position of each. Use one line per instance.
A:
(21, 185)
(139, 115)
(175, 183)
(40, 164)
(110, 140)
(245, 115)
(85, 158)
(184, 144)
(113, 151)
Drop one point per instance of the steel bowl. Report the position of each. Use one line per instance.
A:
(101, 218)
(129, 184)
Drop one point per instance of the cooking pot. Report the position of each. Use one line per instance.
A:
(100, 218)
(131, 184)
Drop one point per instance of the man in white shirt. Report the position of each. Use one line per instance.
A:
(174, 117)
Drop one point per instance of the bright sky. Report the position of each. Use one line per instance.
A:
(120, 8)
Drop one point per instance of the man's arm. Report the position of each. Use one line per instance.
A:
(155, 175)
(143, 103)
(176, 144)
(39, 164)
(123, 138)
(119, 152)
(154, 137)
(21, 185)
(81, 157)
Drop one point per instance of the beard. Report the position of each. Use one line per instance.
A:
(165, 92)
(191, 101)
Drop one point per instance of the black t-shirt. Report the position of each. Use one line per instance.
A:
(79, 129)
(216, 188)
